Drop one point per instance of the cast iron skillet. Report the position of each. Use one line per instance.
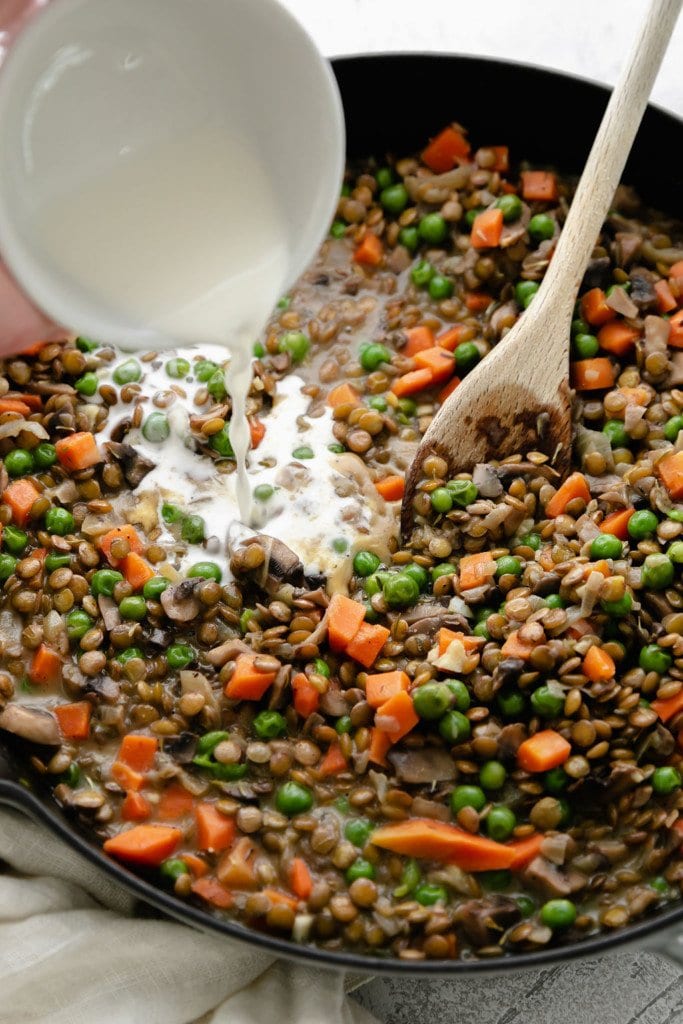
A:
(393, 104)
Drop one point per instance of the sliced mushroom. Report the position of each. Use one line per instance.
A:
(181, 602)
(31, 724)
(196, 682)
(423, 765)
(484, 921)
(134, 465)
(110, 611)
(227, 651)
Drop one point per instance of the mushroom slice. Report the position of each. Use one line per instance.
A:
(31, 724)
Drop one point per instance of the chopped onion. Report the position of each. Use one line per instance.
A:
(456, 604)
(14, 427)
(590, 441)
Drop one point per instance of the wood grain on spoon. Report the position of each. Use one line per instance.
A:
(518, 398)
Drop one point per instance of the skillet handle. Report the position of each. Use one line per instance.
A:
(668, 942)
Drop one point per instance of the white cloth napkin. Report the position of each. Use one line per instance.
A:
(72, 953)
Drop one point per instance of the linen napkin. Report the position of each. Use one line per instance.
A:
(72, 952)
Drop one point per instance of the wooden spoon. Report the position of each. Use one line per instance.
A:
(518, 398)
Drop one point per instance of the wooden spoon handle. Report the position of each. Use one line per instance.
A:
(609, 153)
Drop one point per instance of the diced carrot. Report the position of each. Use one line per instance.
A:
(487, 229)
(136, 570)
(211, 890)
(280, 898)
(516, 648)
(676, 273)
(419, 339)
(635, 396)
(144, 844)
(397, 716)
(46, 666)
(665, 300)
(391, 488)
(429, 839)
(175, 802)
(78, 451)
(138, 751)
(197, 865)
(383, 685)
(306, 697)
(344, 617)
(592, 374)
(579, 628)
(343, 394)
(236, 866)
(367, 643)
(257, 431)
(125, 532)
(248, 682)
(666, 709)
(477, 302)
(34, 349)
(439, 362)
(333, 761)
(379, 745)
(447, 636)
(594, 307)
(454, 336)
(74, 719)
(670, 471)
(20, 496)
(443, 152)
(215, 831)
(539, 186)
(14, 405)
(412, 382)
(300, 879)
(370, 251)
(128, 778)
(598, 665)
(617, 337)
(616, 523)
(474, 570)
(135, 807)
(448, 390)
(502, 162)
(543, 751)
(526, 850)
(602, 566)
(575, 486)
(676, 330)
(34, 402)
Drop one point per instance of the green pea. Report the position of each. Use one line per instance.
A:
(221, 772)
(19, 462)
(171, 513)
(192, 529)
(454, 727)
(372, 356)
(365, 563)
(8, 564)
(545, 703)
(343, 725)
(14, 539)
(215, 385)
(657, 572)
(558, 914)
(606, 546)
(220, 442)
(555, 780)
(258, 350)
(337, 449)
(654, 659)
(133, 607)
(338, 229)
(665, 780)
(129, 654)
(526, 905)
(443, 569)
(373, 584)
(460, 695)
(378, 402)
(180, 655)
(204, 370)
(433, 228)
(59, 521)
(440, 287)
(660, 884)
(496, 881)
(340, 545)
(580, 326)
(285, 302)
(422, 273)
(463, 492)
(269, 724)
(408, 406)
(500, 823)
(554, 601)
(400, 591)
(177, 368)
(467, 796)
(87, 384)
(296, 343)
(86, 345)
(357, 831)
(483, 613)
(511, 205)
(155, 428)
(467, 355)
(104, 580)
(616, 433)
(303, 452)
(508, 565)
(44, 455)
(292, 798)
(672, 427)
(511, 703)
(54, 561)
(264, 492)
(586, 346)
(541, 227)
(78, 623)
(154, 588)
(472, 215)
(173, 868)
(675, 552)
(210, 740)
(531, 540)
(384, 177)
(322, 668)
(72, 776)
(431, 700)
(410, 879)
(417, 573)
(128, 372)
(207, 571)
(642, 524)
(525, 291)
(409, 237)
(441, 499)
(619, 608)
(428, 894)
(492, 775)
(342, 804)
(248, 617)
(360, 868)
(394, 198)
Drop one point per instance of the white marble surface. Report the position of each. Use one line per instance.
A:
(589, 38)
